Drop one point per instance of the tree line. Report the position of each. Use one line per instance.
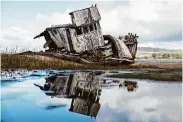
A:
(163, 56)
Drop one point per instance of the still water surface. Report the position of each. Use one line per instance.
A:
(88, 96)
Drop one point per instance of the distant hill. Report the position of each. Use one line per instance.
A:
(151, 49)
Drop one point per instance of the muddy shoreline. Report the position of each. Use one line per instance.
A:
(153, 74)
(148, 70)
(160, 71)
(46, 62)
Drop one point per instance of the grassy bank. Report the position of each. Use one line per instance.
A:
(45, 62)
(36, 62)
(158, 74)
(153, 71)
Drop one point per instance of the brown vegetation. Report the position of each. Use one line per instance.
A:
(45, 62)
(154, 71)
(160, 65)
(161, 75)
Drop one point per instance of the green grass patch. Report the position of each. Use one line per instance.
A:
(162, 75)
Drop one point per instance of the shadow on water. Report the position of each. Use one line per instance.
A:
(130, 85)
(54, 106)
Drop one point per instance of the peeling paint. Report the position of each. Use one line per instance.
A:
(85, 16)
(85, 35)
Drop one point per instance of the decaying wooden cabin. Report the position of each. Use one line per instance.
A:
(84, 38)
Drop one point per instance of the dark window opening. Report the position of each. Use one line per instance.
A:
(54, 31)
(78, 31)
(72, 16)
(85, 30)
(98, 25)
(91, 27)
(95, 26)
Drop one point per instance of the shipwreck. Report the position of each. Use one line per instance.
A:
(83, 41)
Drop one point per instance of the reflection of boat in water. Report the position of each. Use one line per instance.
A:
(82, 87)
(69, 85)
(130, 85)
(85, 106)
(108, 83)
(86, 101)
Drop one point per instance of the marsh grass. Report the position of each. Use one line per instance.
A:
(167, 72)
(10, 59)
(161, 75)
(35, 62)
(45, 62)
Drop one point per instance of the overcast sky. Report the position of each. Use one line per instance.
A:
(157, 23)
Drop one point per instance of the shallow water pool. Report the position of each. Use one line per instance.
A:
(88, 96)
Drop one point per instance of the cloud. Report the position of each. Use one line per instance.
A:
(22, 36)
(148, 102)
(157, 23)
(19, 38)
(151, 20)
(14, 33)
(55, 18)
(44, 20)
(177, 44)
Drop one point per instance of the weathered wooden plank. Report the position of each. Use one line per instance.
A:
(85, 16)
(123, 51)
(95, 14)
(57, 38)
(81, 17)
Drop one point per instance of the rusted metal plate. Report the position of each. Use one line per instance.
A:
(131, 42)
